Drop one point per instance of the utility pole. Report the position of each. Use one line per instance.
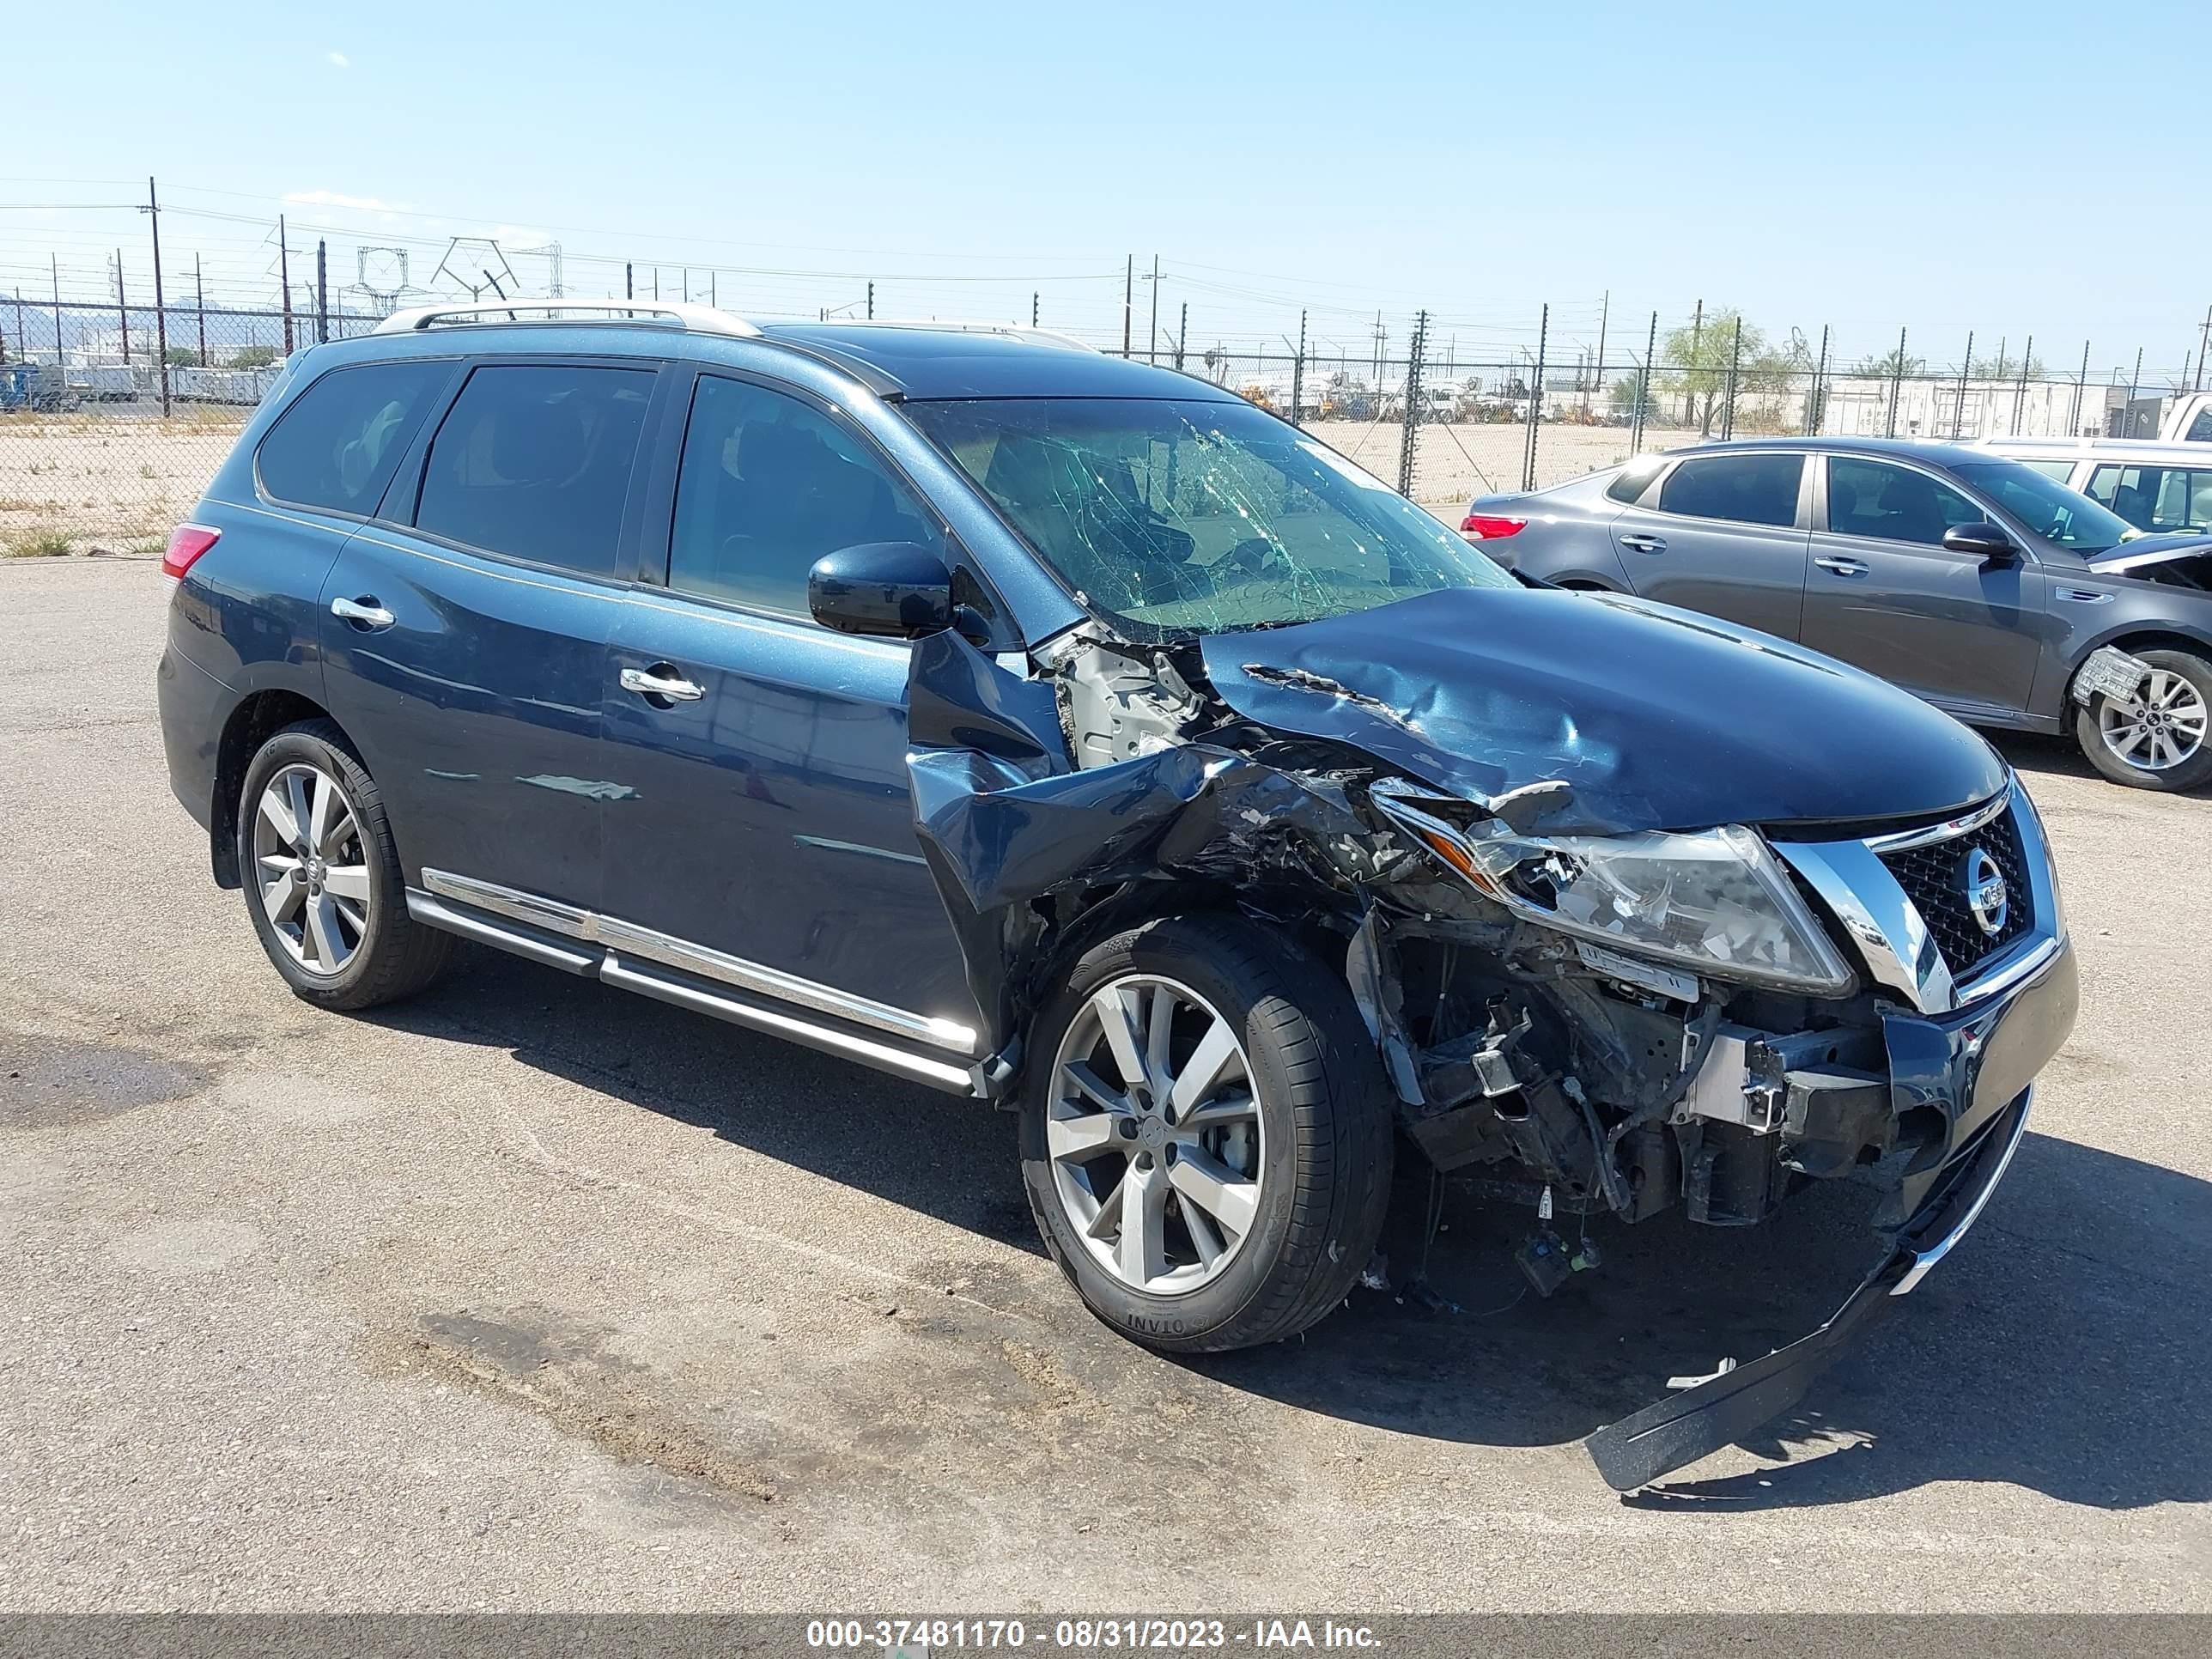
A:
(1128, 303)
(284, 279)
(161, 306)
(1183, 334)
(2019, 392)
(122, 311)
(2134, 381)
(1152, 351)
(54, 269)
(715, 292)
(322, 294)
(2203, 338)
(871, 302)
(199, 305)
(1959, 414)
(630, 280)
(2080, 384)
(1033, 307)
(1299, 373)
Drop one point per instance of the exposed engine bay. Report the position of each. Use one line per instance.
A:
(1599, 1079)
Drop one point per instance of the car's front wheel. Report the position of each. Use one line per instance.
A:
(2160, 737)
(322, 877)
(1206, 1134)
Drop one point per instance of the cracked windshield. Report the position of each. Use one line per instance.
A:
(1181, 518)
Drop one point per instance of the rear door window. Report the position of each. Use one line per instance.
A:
(1893, 503)
(2057, 471)
(1752, 489)
(338, 443)
(2158, 498)
(534, 461)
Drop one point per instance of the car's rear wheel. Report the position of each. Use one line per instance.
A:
(1205, 1135)
(322, 877)
(2160, 738)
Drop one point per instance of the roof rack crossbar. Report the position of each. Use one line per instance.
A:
(653, 313)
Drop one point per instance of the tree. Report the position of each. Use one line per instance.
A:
(254, 356)
(182, 357)
(1697, 356)
(2003, 365)
(1890, 363)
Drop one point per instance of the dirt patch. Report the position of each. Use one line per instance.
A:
(564, 1372)
(49, 1083)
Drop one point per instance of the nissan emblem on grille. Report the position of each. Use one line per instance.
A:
(1985, 890)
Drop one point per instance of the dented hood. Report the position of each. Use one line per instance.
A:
(1659, 719)
(2137, 551)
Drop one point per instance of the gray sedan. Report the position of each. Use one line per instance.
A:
(1997, 594)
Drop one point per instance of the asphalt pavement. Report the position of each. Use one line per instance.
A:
(532, 1294)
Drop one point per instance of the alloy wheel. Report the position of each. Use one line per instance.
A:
(1154, 1135)
(2158, 728)
(312, 867)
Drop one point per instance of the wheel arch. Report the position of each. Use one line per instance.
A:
(257, 718)
(1099, 914)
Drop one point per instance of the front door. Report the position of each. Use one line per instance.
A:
(763, 812)
(466, 651)
(1885, 593)
(1724, 535)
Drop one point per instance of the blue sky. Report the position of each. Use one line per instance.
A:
(2030, 168)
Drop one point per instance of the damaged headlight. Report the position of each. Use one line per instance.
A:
(1716, 902)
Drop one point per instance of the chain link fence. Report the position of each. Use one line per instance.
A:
(113, 418)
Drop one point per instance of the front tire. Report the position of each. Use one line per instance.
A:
(1205, 1135)
(322, 878)
(2160, 738)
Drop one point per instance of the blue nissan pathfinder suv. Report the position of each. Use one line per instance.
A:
(1070, 733)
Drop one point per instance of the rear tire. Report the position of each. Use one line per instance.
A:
(1267, 1188)
(322, 879)
(2137, 744)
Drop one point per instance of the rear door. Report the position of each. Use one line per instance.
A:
(1885, 593)
(465, 635)
(1725, 534)
(764, 820)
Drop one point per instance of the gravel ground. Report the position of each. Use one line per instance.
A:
(528, 1294)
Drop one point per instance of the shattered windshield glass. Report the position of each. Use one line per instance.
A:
(1176, 518)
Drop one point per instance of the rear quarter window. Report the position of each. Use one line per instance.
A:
(337, 444)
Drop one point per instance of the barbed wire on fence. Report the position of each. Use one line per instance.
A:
(114, 414)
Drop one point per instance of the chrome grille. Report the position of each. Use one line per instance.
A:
(1933, 875)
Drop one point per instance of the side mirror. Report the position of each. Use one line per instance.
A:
(1985, 540)
(896, 589)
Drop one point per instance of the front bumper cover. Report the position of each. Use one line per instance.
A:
(1975, 1065)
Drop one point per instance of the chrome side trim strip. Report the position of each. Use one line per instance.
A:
(788, 987)
(1965, 824)
(956, 1078)
(512, 902)
(576, 923)
(1923, 1260)
(432, 913)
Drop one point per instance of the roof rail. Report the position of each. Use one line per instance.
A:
(656, 313)
(1015, 330)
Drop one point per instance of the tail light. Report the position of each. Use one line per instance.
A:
(186, 543)
(1482, 527)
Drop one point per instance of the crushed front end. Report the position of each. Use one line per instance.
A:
(1601, 1017)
